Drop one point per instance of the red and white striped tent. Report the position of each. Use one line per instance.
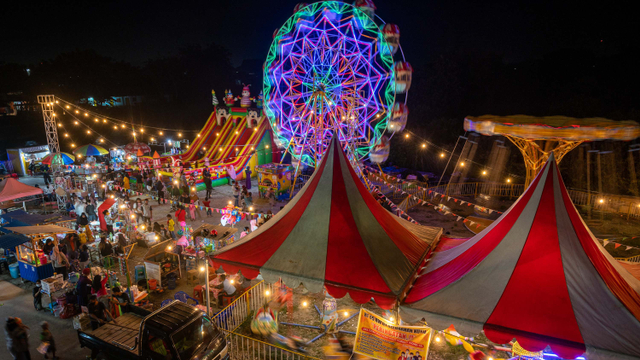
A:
(536, 274)
(334, 233)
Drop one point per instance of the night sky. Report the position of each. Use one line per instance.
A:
(135, 31)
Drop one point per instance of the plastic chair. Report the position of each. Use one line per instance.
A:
(140, 272)
(182, 296)
(166, 302)
(228, 299)
(197, 293)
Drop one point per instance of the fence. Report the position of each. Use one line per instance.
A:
(231, 317)
(244, 347)
(632, 259)
(239, 311)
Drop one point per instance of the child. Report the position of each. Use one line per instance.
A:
(192, 211)
(37, 296)
(171, 226)
(207, 204)
(47, 336)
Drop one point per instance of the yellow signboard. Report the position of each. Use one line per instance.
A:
(379, 338)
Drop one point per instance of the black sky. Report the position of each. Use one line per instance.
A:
(135, 31)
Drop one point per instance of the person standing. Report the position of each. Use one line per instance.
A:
(146, 212)
(60, 262)
(181, 217)
(83, 287)
(139, 181)
(98, 313)
(125, 182)
(160, 188)
(247, 177)
(171, 226)
(17, 339)
(206, 178)
(46, 177)
(37, 296)
(236, 193)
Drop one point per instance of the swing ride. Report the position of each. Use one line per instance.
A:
(330, 71)
(538, 137)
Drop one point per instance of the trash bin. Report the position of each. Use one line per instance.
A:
(13, 269)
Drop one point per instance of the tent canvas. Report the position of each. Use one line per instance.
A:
(334, 234)
(11, 189)
(39, 229)
(536, 274)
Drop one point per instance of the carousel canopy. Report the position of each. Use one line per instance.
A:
(536, 274)
(11, 189)
(333, 233)
(137, 147)
(91, 150)
(67, 159)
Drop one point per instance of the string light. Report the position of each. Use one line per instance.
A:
(123, 126)
(508, 180)
(484, 172)
(88, 131)
(67, 106)
(424, 146)
(59, 124)
(462, 164)
(161, 133)
(441, 155)
(406, 136)
(73, 145)
(96, 120)
(180, 134)
(66, 135)
(115, 127)
(141, 131)
(75, 122)
(104, 120)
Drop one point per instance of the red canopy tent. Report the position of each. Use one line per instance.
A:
(536, 274)
(11, 189)
(106, 205)
(333, 233)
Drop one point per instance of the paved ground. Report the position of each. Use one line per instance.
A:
(22, 306)
(20, 301)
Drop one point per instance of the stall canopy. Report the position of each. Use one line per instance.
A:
(11, 189)
(22, 217)
(10, 241)
(333, 233)
(106, 205)
(40, 229)
(536, 274)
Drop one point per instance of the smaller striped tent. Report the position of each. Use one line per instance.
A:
(334, 234)
(536, 274)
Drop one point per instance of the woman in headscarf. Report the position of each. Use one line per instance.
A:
(82, 220)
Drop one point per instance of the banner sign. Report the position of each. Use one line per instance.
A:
(380, 339)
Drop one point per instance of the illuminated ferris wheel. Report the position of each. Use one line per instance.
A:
(329, 72)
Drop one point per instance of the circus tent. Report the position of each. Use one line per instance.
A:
(537, 274)
(334, 233)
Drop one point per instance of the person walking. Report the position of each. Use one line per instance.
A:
(160, 188)
(17, 338)
(46, 177)
(47, 337)
(146, 212)
(181, 217)
(37, 296)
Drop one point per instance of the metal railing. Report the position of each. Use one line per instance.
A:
(244, 347)
(632, 259)
(234, 315)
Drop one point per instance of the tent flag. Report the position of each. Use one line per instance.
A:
(537, 274)
(334, 234)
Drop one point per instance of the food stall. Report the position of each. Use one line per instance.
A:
(160, 263)
(33, 264)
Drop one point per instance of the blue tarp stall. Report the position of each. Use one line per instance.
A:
(27, 271)
(22, 217)
(28, 253)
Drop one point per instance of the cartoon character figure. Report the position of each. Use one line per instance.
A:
(252, 118)
(221, 115)
(246, 99)
(260, 100)
(229, 100)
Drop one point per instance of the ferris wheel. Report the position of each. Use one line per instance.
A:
(330, 71)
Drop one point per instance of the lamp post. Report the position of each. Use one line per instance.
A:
(205, 269)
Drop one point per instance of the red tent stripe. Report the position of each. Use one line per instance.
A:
(410, 245)
(539, 270)
(468, 260)
(348, 260)
(258, 252)
(616, 283)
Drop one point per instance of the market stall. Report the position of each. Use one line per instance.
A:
(32, 261)
(209, 237)
(161, 264)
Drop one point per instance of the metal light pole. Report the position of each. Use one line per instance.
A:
(205, 269)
